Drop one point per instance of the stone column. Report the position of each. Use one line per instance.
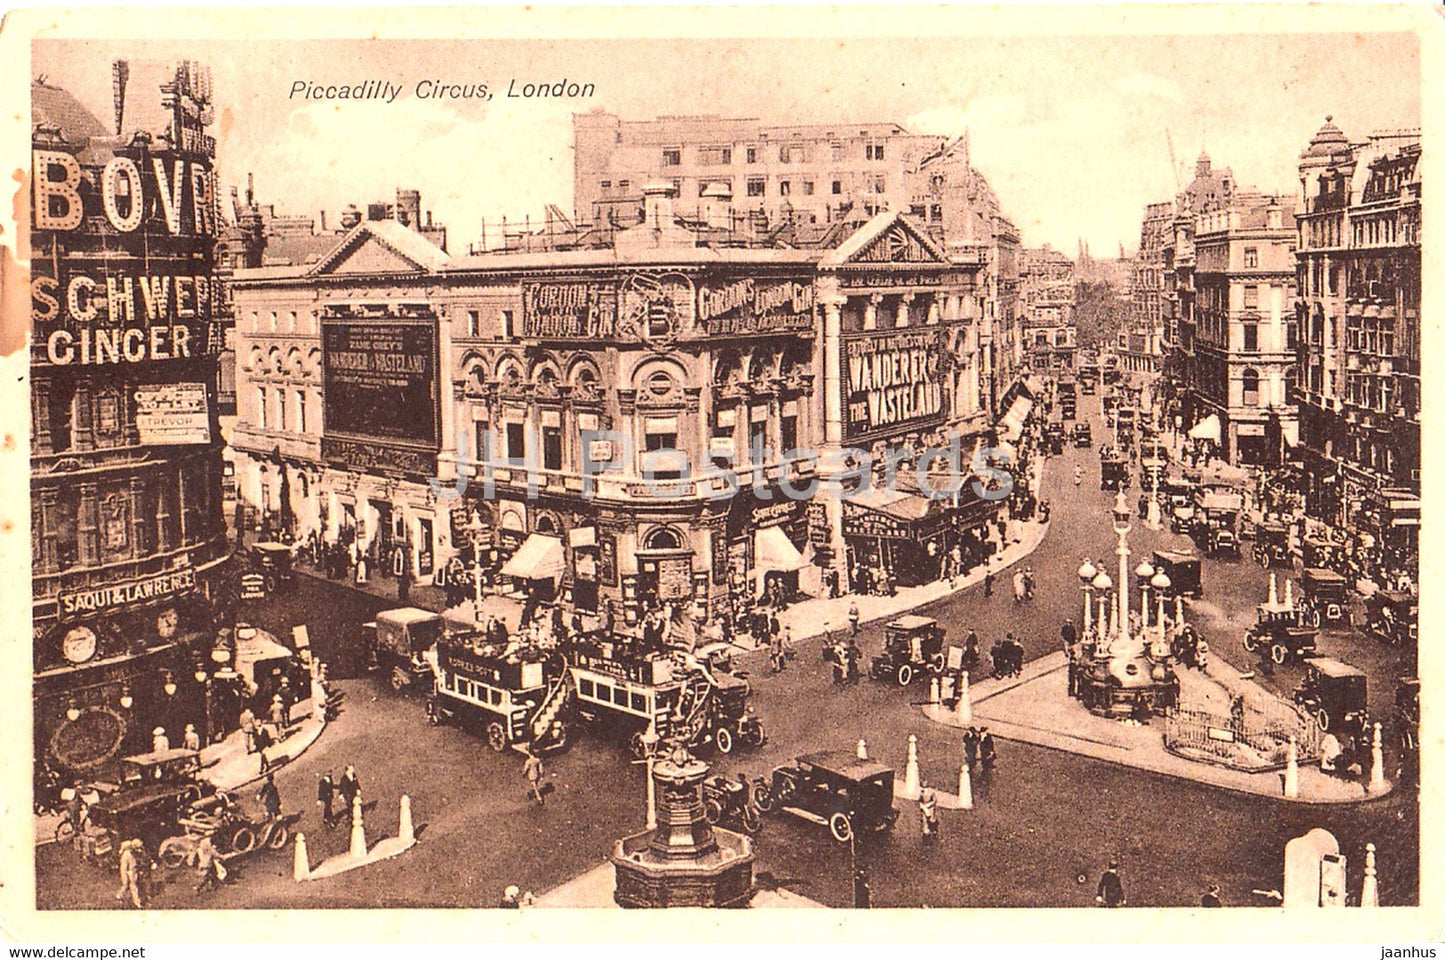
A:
(870, 312)
(902, 314)
(833, 372)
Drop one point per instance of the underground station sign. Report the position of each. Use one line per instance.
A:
(253, 586)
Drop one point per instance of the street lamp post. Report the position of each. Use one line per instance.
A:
(649, 743)
(1087, 572)
(1102, 585)
(1144, 572)
(1121, 527)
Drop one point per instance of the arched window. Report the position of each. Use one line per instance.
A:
(1251, 388)
(546, 525)
(1290, 382)
(663, 539)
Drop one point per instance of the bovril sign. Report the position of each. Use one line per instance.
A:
(754, 306)
(893, 380)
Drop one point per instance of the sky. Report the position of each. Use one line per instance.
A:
(1073, 134)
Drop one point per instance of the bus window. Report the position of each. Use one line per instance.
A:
(639, 702)
(584, 687)
(619, 697)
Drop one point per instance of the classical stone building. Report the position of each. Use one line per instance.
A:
(525, 410)
(1358, 311)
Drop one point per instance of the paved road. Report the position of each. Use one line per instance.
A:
(1043, 818)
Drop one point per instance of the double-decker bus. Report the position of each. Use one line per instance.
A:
(517, 697)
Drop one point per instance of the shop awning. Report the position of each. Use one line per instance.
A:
(539, 558)
(775, 552)
(891, 514)
(1290, 431)
(1012, 424)
(1207, 429)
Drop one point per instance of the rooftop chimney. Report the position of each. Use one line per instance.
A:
(657, 205)
(717, 206)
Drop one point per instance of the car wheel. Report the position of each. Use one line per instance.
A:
(1251, 642)
(496, 736)
(724, 740)
(712, 810)
(174, 851)
(935, 664)
(751, 821)
(755, 736)
(1323, 716)
(905, 675)
(840, 827)
(1278, 653)
(277, 836)
(637, 746)
(762, 795)
(785, 789)
(243, 839)
(1315, 618)
(64, 831)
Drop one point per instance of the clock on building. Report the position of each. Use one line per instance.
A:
(78, 645)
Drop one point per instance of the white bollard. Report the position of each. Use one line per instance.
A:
(1273, 592)
(404, 831)
(301, 869)
(910, 773)
(934, 691)
(1289, 594)
(358, 831)
(963, 711)
(862, 749)
(965, 787)
(1377, 763)
(1370, 889)
(1291, 770)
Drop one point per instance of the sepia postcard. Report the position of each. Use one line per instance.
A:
(948, 473)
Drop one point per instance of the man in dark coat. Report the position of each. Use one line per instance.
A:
(1068, 635)
(1111, 888)
(325, 791)
(986, 752)
(349, 788)
(1211, 897)
(270, 799)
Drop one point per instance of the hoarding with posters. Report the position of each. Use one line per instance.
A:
(381, 393)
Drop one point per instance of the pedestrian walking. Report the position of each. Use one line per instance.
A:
(853, 618)
(248, 727)
(775, 653)
(928, 812)
(192, 739)
(1078, 476)
(325, 792)
(263, 743)
(160, 743)
(349, 789)
(132, 853)
(208, 864)
(988, 583)
(970, 746)
(270, 798)
(1211, 897)
(1111, 888)
(986, 752)
(532, 772)
(1068, 634)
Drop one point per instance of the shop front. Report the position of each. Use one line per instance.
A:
(767, 562)
(895, 538)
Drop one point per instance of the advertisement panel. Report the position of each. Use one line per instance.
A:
(894, 382)
(572, 311)
(380, 380)
(750, 306)
(172, 413)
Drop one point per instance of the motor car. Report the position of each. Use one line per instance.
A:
(1279, 635)
(1326, 597)
(912, 647)
(1083, 435)
(1054, 435)
(735, 800)
(836, 789)
(155, 789)
(1334, 693)
(1184, 570)
(1114, 474)
(1271, 544)
(1392, 617)
(395, 642)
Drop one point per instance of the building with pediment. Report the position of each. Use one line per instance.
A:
(613, 423)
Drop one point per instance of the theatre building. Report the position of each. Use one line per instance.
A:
(541, 389)
(126, 513)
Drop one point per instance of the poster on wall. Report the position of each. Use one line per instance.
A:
(380, 380)
(894, 382)
(172, 413)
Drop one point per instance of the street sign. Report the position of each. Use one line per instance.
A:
(253, 586)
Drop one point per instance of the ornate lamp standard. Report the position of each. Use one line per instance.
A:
(1142, 573)
(1121, 527)
(1102, 585)
(1087, 573)
(1160, 583)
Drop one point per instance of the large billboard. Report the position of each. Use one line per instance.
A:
(380, 385)
(894, 382)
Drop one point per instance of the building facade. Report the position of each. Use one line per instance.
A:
(127, 520)
(1358, 309)
(508, 409)
(817, 172)
(1046, 295)
(1245, 332)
